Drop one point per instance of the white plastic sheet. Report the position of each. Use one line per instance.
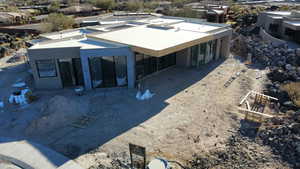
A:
(20, 99)
(19, 84)
(147, 95)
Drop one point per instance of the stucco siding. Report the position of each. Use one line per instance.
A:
(53, 53)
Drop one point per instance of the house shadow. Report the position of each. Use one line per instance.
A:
(118, 111)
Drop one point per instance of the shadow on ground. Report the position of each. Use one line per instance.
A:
(118, 111)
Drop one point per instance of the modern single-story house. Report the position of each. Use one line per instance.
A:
(281, 24)
(124, 53)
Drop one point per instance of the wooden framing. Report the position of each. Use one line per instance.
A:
(256, 111)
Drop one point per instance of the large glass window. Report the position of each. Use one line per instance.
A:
(202, 54)
(96, 72)
(121, 70)
(139, 65)
(46, 68)
(195, 51)
(108, 71)
(146, 64)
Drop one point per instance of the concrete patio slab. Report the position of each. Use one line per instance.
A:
(30, 155)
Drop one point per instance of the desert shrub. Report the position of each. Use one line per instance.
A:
(151, 5)
(293, 89)
(104, 4)
(133, 5)
(57, 22)
(54, 6)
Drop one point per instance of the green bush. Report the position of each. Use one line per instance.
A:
(57, 22)
(293, 89)
(104, 4)
(134, 5)
(151, 5)
(54, 6)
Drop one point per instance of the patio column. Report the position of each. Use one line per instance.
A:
(86, 71)
(131, 69)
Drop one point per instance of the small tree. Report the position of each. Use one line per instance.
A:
(58, 22)
(104, 4)
(54, 6)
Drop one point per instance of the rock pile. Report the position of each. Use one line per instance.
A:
(283, 63)
(274, 55)
(284, 138)
(239, 152)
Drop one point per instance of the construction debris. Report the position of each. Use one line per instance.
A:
(255, 108)
(20, 97)
(233, 77)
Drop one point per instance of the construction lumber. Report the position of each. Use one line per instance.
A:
(254, 112)
(269, 97)
(245, 97)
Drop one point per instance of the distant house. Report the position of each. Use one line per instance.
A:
(80, 10)
(281, 24)
(210, 12)
(7, 18)
(122, 54)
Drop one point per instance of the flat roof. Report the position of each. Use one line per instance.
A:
(83, 43)
(283, 13)
(157, 41)
(276, 17)
(66, 33)
(295, 25)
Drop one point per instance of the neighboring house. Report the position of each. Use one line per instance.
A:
(124, 53)
(281, 24)
(210, 12)
(7, 18)
(80, 10)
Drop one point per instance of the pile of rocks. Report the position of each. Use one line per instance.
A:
(273, 55)
(239, 152)
(283, 136)
(283, 63)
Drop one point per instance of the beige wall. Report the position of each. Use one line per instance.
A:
(54, 53)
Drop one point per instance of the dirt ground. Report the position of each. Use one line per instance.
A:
(191, 112)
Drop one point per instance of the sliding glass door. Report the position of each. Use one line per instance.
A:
(96, 72)
(108, 71)
(146, 65)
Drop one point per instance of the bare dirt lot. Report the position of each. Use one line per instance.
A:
(191, 112)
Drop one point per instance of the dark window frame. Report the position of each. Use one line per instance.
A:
(38, 68)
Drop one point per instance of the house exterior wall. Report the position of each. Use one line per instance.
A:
(183, 58)
(50, 53)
